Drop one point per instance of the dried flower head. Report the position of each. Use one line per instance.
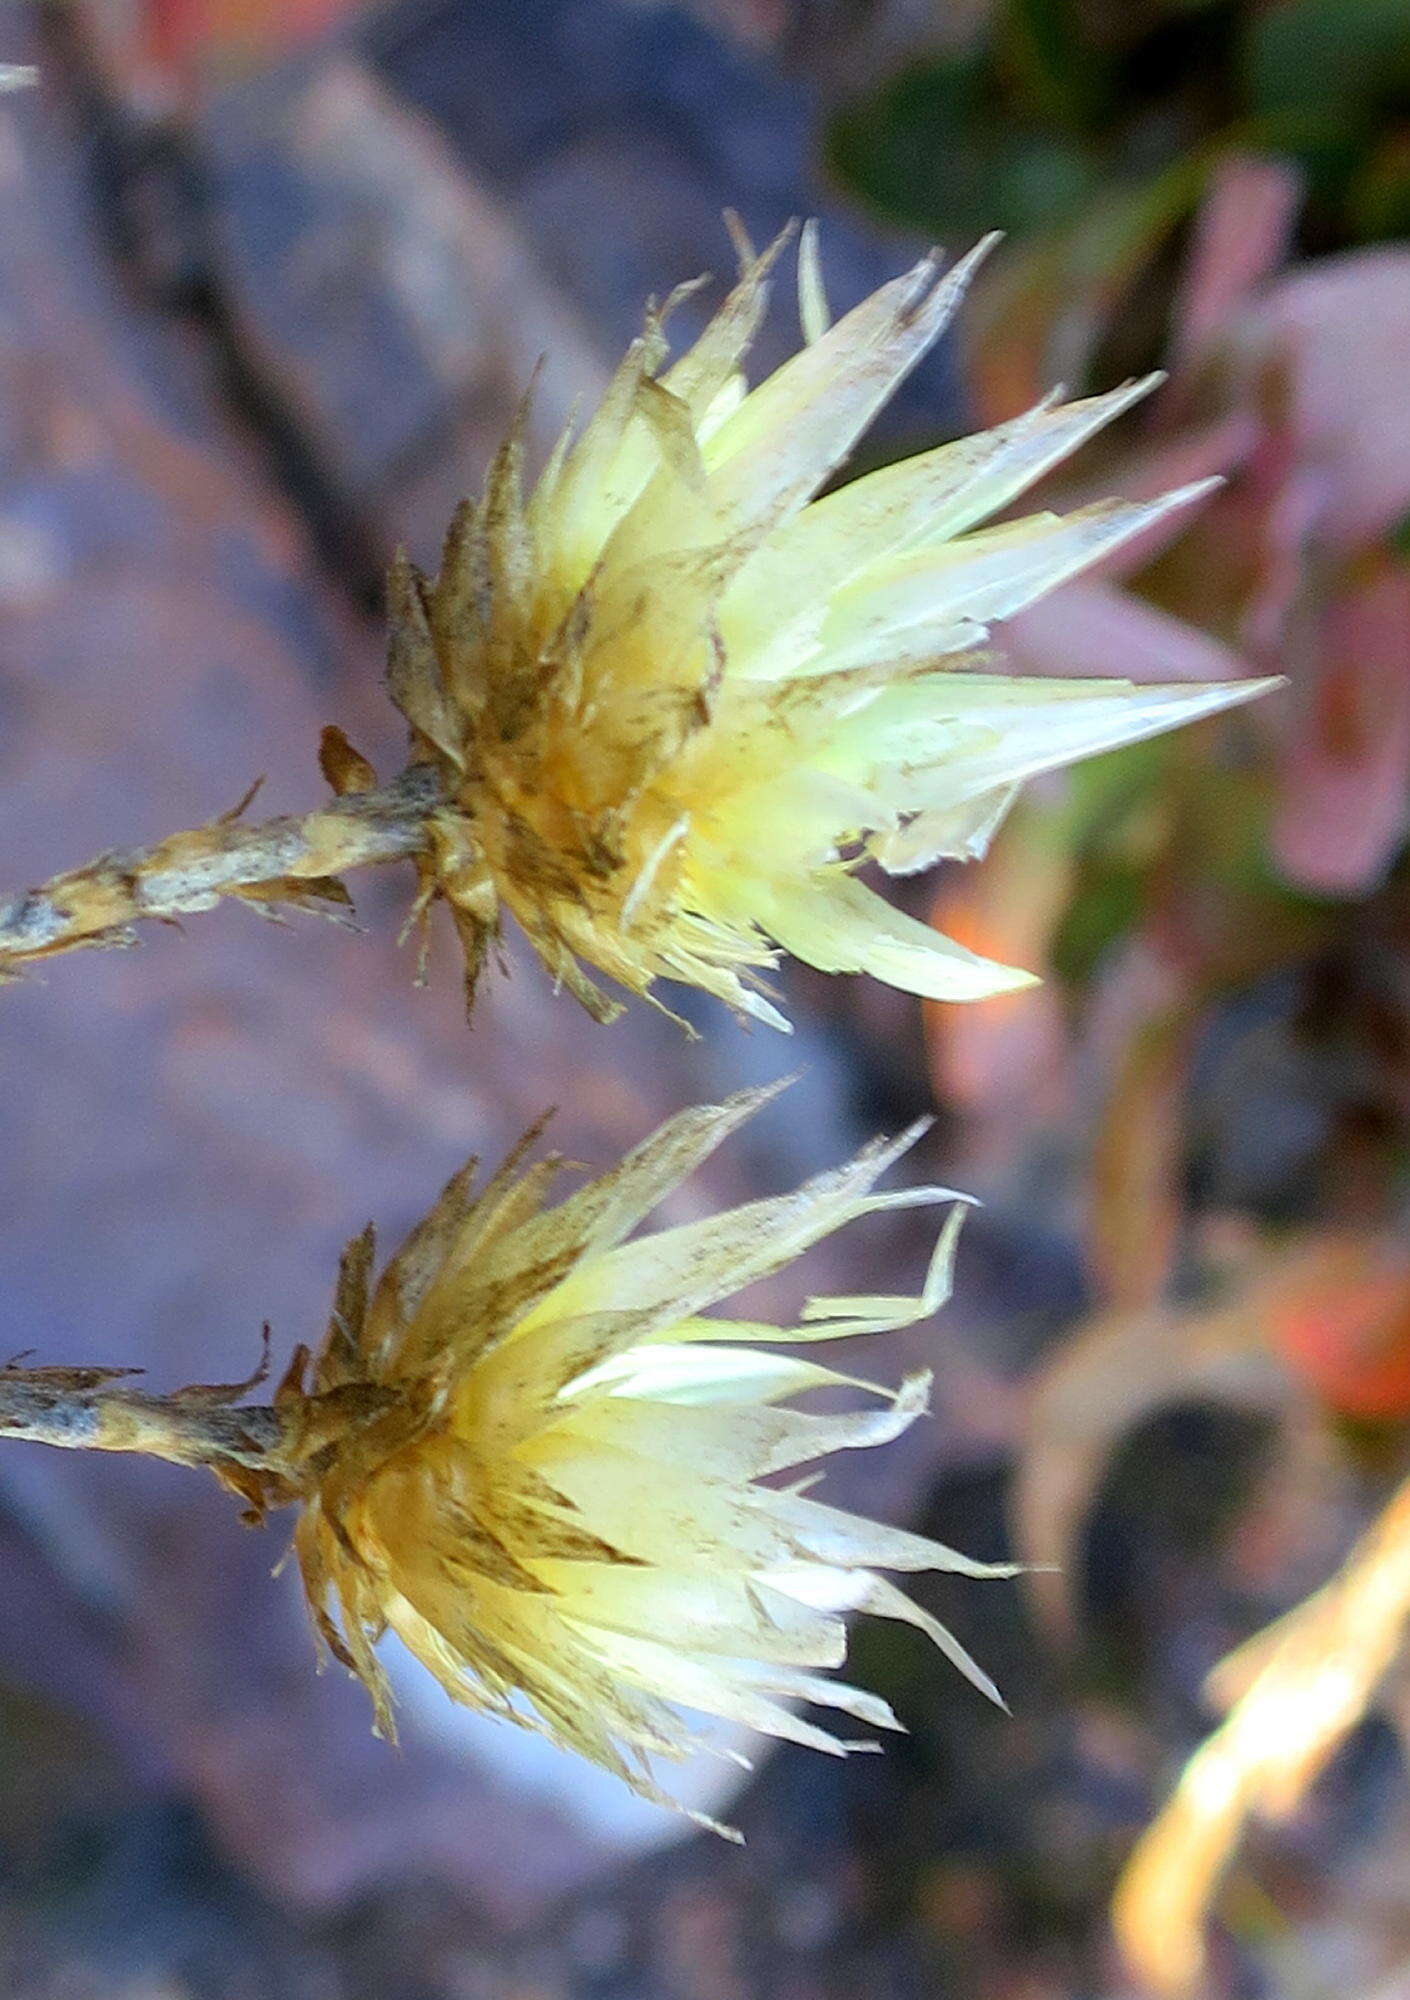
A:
(547, 1481)
(664, 709)
(675, 700)
(532, 1453)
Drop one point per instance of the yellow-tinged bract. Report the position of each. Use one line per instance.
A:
(549, 1483)
(675, 700)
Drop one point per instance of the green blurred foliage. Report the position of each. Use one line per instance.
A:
(1060, 100)
(1164, 824)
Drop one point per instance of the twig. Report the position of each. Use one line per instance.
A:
(294, 860)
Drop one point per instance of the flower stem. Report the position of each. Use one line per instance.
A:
(80, 1409)
(295, 859)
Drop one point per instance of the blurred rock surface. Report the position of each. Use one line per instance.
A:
(249, 337)
(194, 1128)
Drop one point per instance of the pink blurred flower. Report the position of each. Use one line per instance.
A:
(1294, 386)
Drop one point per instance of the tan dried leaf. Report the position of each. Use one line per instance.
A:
(1296, 1690)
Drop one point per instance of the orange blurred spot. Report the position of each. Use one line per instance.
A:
(185, 35)
(1353, 1345)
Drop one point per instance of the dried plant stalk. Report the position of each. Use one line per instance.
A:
(1296, 1690)
(256, 1450)
(296, 861)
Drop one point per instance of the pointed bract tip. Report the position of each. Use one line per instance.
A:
(1195, 491)
(911, 1135)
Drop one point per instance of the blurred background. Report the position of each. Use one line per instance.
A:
(273, 274)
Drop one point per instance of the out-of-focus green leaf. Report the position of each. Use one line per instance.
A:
(1045, 308)
(1327, 145)
(1102, 790)
(1155, 815)
(934, 149)
(1106, 907)
(902, 149)
(1106, 822)
(1039, 178)
(1059, 73)
(1312, 53)
(1379, 197)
